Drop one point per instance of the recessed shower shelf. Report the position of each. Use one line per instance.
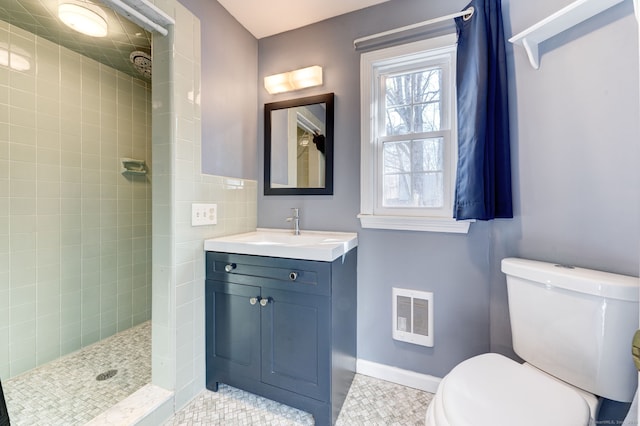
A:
(567, 17)
(133, 167)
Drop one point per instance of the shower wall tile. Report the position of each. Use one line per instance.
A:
(4, 344)
(179, 267)
(69, 220)
(23, 104)
(4, 112)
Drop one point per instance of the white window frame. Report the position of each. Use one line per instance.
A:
(372, 214)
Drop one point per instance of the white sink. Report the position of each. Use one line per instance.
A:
(309, 245)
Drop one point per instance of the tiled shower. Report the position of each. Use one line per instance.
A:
(75, 233)
(178, 257)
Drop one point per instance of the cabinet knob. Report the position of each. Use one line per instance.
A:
(264, 302)
(293, 276)
(229, 267)
(253, 300)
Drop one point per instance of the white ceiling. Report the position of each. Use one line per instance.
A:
(268, 17)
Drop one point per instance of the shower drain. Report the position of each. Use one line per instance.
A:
(106, 375)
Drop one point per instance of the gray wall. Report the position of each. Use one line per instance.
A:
(229, 92)
(575, 141)
(454, 267)
(575, 150)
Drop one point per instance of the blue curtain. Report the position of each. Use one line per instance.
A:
(483, 182)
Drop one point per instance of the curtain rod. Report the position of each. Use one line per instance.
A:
(467, 14)
(143, 13)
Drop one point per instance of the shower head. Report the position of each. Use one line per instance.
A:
(141, 62)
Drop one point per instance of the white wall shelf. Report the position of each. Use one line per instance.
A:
(562, 20)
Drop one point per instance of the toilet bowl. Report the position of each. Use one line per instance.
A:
(492, 390)
(573, 327)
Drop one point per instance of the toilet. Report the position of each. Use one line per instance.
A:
(573, 328)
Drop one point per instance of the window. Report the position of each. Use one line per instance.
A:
(409, 137)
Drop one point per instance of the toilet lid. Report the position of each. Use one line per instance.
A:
(493, 390)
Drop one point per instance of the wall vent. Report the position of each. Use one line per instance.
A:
(413, 316)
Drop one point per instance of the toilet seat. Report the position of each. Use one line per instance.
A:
(492, 390)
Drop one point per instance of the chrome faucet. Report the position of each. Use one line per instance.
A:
(295, 218)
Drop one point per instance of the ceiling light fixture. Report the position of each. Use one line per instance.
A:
(83, 19)
(294, 80)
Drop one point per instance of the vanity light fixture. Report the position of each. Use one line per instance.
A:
(294, 80)
(83, 18)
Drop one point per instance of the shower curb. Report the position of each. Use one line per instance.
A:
(148, 405)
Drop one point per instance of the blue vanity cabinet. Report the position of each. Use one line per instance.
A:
(295, 337)
(283, 328)
(236, 337)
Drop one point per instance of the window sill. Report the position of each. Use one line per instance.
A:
(408, 223)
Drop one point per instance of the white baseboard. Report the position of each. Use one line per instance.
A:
(397, 375)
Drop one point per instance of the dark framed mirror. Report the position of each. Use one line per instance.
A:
(298, 146)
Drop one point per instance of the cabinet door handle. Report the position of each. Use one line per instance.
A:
(264, 302)
(253, 300)
(293, 276)
(229, 267)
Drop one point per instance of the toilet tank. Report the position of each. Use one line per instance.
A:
(575, 324)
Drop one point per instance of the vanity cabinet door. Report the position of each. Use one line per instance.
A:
(233, 330)
(296, 342)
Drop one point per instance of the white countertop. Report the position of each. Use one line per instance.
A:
(309, 245)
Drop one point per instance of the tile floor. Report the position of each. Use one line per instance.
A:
(66, 392)
(370, 402)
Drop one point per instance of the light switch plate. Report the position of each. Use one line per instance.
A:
(204, 214)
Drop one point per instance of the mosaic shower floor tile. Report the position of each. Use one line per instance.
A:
(66, 391)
